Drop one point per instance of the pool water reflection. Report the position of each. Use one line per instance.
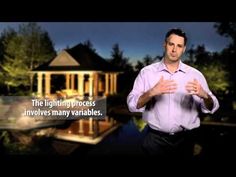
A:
(126, 140)
(211, 142)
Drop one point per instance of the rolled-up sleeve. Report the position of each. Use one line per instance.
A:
(137, 91)
(216, 104)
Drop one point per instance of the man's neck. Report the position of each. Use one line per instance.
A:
(172, 66)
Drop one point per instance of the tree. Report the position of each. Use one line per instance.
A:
(15, 73)
(123, 65)
(37, 44)
(118, 60)
(202, 57)
(217, 77)
(6, 35)
(228, 29)
(89, 44)
(14, 70)
(30, 47)
(214, 69)
(211, 66)
(147, 60)
(139, 65)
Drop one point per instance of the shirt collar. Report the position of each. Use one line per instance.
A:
(163, 67)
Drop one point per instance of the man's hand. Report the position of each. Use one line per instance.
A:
(195, 88)
(163, 86)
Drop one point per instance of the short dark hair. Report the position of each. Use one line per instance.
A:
(178, 32)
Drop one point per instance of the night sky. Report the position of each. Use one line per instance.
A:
(136, 39)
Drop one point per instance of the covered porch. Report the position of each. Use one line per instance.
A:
(79, 83)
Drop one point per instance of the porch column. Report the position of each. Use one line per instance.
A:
(90, 84)
(67, 81)
(107, 84)
(47, 84)
(72, 81)
(111, 84)
(100, 84)
(115, 83)
(40, 83)
(95, 84)
(81, 84)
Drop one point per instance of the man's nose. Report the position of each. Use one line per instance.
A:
(174, 49)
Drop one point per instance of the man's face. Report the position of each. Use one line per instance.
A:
(174, 47)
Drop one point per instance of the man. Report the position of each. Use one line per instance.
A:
(170, 94)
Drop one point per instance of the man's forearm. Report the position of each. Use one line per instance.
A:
(143, 99)
(208, 102)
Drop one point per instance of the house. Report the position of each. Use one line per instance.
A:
(84, 73)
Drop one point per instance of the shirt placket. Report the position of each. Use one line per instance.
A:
(171, 108)
(170, 104)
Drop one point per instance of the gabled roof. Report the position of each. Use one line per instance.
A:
(77, 58)
(64, 59)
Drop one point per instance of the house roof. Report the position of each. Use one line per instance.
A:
(77, 58)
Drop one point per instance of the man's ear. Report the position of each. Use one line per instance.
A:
(164, 45)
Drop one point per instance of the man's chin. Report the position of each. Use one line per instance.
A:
(174, 58)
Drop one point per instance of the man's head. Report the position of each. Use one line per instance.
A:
(175, 44)
(177, 32)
